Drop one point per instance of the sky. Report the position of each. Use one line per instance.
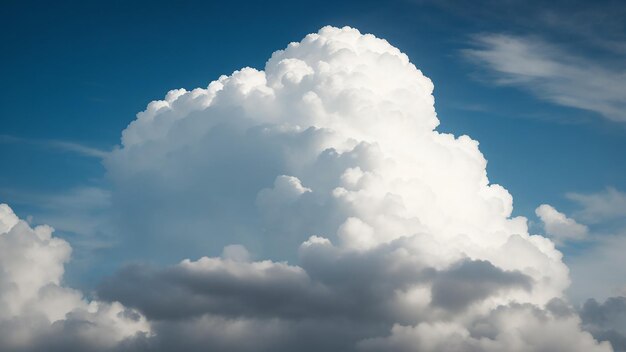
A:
(295, 171)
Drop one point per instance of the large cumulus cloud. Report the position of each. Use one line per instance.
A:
(383, 233)
(380, 232)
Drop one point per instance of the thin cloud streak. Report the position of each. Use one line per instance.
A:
(600, 206)
(551, 73)
(65, 146)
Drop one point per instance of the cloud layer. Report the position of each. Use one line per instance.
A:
(383, 233)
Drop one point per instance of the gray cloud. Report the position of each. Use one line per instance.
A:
(537, 329)
(349, 300)
(606, 321)
(471, 281)
(329, 285)
(76, 333)
(277, 290)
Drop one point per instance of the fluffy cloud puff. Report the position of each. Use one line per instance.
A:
(384, 233)
(558, 226)
(38, 313)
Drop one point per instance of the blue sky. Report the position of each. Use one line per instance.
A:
(76, 74)
(211, 184)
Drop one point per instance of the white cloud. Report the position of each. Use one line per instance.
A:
(558, 226)
(328, 162)
(236, 252)
(552, 73)
(36, 311)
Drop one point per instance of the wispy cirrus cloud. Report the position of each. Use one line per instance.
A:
(551, 73)
(60, 145)
(600, 206)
